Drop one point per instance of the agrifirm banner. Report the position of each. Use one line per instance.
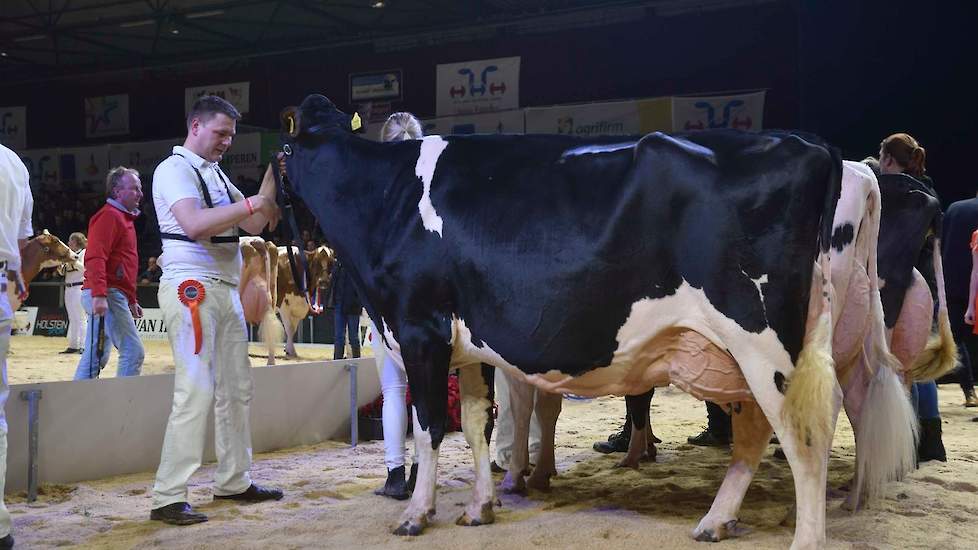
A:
(13, 127)
(106, 116)
(236, 93)
(741, 111)
(503, 122)
(591, 119)
(655, 115)
(150, 326)
(478, 86)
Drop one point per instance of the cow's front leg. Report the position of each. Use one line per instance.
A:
(426, 352)
(521, 408)
(751, 435)
(641, 445)
(547, 408)
(474, 385)
(422, 506)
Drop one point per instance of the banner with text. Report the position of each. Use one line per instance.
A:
(51, 322)
(85, 167)
(236, 93)
(742, 111)
(242, 163)
(590, 119)
(43, 165)
(143, 155)
(503, 122)
(478, 86)
(13, 127)
(150, 326)
(107, 116)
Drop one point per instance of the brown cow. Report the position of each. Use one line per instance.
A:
(258, 267)
(42, 251)
(294, 307)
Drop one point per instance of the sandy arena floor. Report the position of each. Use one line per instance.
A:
(329, 501)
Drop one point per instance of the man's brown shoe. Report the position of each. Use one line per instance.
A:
(178, 513)
(253, 494)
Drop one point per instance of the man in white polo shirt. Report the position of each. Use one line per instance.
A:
(16, 206)
(199, 213)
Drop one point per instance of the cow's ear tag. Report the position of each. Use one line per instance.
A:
(355, 122)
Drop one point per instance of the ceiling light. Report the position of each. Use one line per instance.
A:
(174, 31)
(202, 14)
(140, 23)
(3, 54)
(377, 4)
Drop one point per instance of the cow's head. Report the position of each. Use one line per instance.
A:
(305, 127)
(321, 263)
(51, 251)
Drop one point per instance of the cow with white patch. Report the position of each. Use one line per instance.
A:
(43, 251)
(294, 306)
(259, 265)
(590, 269)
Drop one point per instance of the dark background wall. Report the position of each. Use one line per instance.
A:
(851, 71)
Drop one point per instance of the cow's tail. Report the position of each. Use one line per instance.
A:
(940, 355)
(887, 435)
(809, 399)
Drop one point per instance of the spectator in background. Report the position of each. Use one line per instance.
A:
(347, 316)
(153, 272)
(109, 291)
(74, 277)
(310, 245)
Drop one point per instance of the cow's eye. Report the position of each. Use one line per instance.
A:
(47, 249)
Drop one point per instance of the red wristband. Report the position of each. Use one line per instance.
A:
(251, 209)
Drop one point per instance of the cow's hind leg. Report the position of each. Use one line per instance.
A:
(547, 408)
(641, 445)
(422, 506)
(521, 407)
(476, 414)
(751, 432)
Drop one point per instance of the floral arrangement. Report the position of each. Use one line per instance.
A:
(375, 409)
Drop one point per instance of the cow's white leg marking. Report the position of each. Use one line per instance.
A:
(547, 408)
(475, 415)
(431, 149)
(422, 505)
(751, 434)
(521, 407)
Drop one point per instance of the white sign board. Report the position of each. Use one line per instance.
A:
(504, 122)
(478, 86)
(13, 127)
(591, 119)
(106, 116)
(236, 93)
(150, 326)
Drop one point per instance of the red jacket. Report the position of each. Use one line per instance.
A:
(111, 259)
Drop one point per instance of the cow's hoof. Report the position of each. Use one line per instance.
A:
(486, 516)
(513, 485)
(728, 530)
(410, 529)
(540, 479)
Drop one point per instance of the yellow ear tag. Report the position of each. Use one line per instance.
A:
(355, 122)
(291, 125)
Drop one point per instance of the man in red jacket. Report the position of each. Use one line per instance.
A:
(109, 291)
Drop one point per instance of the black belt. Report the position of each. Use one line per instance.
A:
(72, 284)
(215, 240)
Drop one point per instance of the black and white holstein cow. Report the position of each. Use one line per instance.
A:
(584, 268)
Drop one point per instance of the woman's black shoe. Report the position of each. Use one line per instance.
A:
(395, 487)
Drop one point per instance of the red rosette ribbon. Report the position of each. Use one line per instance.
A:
(191, 294)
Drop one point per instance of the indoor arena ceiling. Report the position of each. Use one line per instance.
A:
(42, 39)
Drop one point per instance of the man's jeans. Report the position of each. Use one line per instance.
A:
(120, 331)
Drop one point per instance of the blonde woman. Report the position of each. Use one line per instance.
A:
(74, 277)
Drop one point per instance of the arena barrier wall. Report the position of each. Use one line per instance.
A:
(94, 429)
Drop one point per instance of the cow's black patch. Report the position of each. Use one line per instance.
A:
(779, 381)
(842, 236)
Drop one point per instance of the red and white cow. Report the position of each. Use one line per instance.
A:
(43, 251)
(292, 306)
(257, 289)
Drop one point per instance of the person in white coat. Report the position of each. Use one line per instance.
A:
(16, 207)
(199, 212)
(74, 274)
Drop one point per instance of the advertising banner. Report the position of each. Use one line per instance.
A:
(742, 111)
(51, 322)
(236, 93)
(150, 326)
(590, 119)
(143, 155)
(503, 122)
(478, 86)
(107, 116)
(13, 127)
(85, 167)
(24, 319)
(43, 165)
(242, 163)
(376, 86)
